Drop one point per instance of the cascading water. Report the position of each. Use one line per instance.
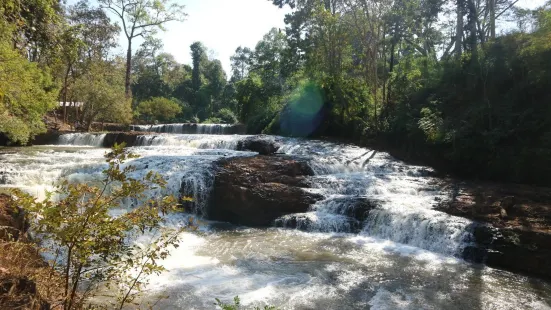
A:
(404, 198)
(188, 128)
(374, 242)
(82, 139)
(222, 142)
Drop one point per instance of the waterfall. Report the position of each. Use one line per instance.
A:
(189, 128)
(82, 139)
(374, 240)
(225, 142)
(366, 192)
(372, 194)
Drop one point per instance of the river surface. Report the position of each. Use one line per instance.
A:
(405, 255)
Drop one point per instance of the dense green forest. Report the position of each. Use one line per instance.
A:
(433, 79)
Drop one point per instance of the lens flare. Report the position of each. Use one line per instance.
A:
(304, 112)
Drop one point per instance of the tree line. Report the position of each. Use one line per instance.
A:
(462, 82)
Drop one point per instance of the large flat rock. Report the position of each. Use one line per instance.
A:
(254, 191)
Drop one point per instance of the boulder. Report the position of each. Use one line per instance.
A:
(513, 249)
(357, 207)
(263, 145)
(254, 191)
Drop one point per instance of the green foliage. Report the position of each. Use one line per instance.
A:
(212, 120)
(101, 89)
(490, 111)
(95, 249)
(142, 18)
(27, 92)
(227, 116)
(35, 27)
(159, 109)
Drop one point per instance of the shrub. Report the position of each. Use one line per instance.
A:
(159, 109)
(212, 120)
(227, 116)
(92, 248)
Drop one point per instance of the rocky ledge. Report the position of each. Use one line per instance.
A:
(254, 191)
(262, 144)
(513, 228)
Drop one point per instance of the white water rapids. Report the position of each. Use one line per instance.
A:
(403, 255)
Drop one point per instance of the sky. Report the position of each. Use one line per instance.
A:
(223, 25)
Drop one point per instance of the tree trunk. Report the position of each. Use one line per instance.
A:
(65, 93)
(390, 70)
(471, 25)
(128, 69)
(459, 28)
(492, 8)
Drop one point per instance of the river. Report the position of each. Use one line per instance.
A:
(405, 255)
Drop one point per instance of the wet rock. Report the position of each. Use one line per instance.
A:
(294, 221)
(263, 145)
(303, 222)
(50, 137)
(507, 202)
(484, 234)
(475, 254)
(129, 138)
(254, 191)
(514, 231)
(521, 250)
(355, 207)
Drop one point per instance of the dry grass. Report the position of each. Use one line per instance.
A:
(26, 279)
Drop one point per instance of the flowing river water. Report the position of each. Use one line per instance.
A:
(404, 255)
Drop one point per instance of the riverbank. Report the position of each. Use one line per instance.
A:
(516, 224)
(26, 281)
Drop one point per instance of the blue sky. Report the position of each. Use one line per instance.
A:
(223, 25)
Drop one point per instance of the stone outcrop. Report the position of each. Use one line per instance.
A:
(50, 137)
(129, 138)
(263, 145)
(513, 225)
(254, 191)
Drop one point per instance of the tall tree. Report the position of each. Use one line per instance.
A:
(96, 30)
(240, 62)
(142, 18)
(199, 58)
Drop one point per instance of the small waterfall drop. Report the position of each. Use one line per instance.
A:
(372, 194)
(225, 142)
(189, 128)
(366, 192)
(82, 139)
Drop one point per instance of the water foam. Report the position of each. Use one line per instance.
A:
(189, 128)
(82, 139)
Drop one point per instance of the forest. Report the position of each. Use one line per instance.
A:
(462, 84)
